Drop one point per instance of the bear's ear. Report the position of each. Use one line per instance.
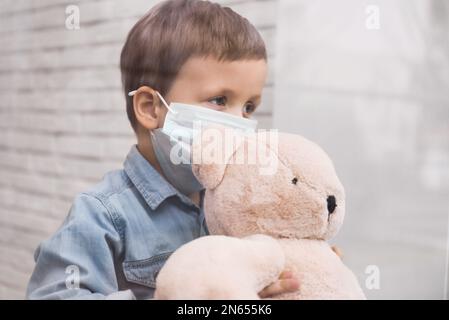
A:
(212, 151)
(209, 175)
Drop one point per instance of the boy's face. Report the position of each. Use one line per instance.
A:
(233, 87)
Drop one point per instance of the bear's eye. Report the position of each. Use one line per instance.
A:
(294, 180)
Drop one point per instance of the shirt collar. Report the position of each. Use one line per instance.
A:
(152, 186)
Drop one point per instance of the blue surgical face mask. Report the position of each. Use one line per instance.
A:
(172, 143)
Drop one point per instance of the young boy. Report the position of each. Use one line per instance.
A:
(118, 234)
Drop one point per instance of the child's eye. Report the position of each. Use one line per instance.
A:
(248, 109)
(220, 101)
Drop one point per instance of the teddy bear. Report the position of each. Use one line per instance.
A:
(266, 215)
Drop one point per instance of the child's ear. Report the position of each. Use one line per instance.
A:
(145, 102)
(211, 154)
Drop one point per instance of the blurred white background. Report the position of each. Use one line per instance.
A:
(368, 80)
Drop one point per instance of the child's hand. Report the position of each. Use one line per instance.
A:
(286, 283)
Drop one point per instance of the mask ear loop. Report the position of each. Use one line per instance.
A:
(132, 93)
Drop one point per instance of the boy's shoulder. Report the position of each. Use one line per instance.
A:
(99, 202)
(113, 182)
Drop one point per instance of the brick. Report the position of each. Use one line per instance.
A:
(98, 77)
(73, 123)
(57, 165)
(66, 101)
(60, 58)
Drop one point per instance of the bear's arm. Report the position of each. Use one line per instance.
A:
(221, 267)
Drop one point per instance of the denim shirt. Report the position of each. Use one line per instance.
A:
(116, 237)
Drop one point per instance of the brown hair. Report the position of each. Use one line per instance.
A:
(173, 31)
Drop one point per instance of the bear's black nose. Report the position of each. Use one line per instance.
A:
(331, 204)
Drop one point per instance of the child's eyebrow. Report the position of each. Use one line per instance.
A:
(256, 97)
(230, 92)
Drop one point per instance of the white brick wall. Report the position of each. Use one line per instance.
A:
(62, 115)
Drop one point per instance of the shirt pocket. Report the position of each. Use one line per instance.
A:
(144, 272)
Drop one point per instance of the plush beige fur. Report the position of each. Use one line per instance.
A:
(290, 206)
